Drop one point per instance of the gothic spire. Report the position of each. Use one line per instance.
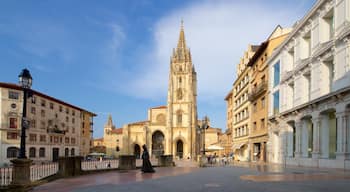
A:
(182, 42)
(109, 121)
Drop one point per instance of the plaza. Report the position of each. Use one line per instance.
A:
(237, 177)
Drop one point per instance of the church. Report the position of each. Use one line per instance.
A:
(169, 129)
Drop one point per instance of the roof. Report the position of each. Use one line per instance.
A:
(99, 139)
(138, 123)
(117, 131)
(160, 107)
(14, 86)
(257, 54)
(229, 94)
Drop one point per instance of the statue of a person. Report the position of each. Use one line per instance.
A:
(146, 163)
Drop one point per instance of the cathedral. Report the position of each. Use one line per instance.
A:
(169, 129)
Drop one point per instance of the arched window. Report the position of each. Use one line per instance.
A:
(179, 94)
(161, 119)
(179, 117)
(66, 152)
(42, 152)
(12, 152)
(72, 152)
(32, 152)
(117, 149)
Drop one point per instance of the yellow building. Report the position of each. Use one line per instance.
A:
(86, 140)
(258, 95)
(240, 107)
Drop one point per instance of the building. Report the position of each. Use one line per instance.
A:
(86, 137)
(170, 129)
(55, 126)
(310, 90)
(238, 107)
(258, 95)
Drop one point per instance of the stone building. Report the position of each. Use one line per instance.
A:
(310, 90)
(258, 95)
(170, 129)
(238, 107)
(56, 128)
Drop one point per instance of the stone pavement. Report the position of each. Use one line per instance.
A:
(240, 177)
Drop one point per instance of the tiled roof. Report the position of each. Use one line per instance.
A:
(159, 107)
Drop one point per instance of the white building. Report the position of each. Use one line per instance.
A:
(310, 90)
(55, 126)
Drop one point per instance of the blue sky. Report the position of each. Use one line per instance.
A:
(112, 57)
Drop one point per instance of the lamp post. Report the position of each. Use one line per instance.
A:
(25, 81)
(201, 130)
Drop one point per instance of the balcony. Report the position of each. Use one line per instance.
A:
(257, 91)
(55, 130)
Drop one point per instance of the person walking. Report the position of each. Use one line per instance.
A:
(146, 163)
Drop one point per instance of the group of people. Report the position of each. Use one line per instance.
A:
(214, 159)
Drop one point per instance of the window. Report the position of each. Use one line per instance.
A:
(276, 102)
(276, 74)
(13, 95)
(254, 126)
(72, 152)
(66, 140)
(32, 137)
(67, 119)
(43, 103)
(42, 152)
(42, 138)
(73, 112)
(66, 152)
(180, 79)
(117, 149)
(254, 107)
(33, 123)
(12, 135)
(32, 110)
(67, 111)
(51, 105)
(179, 94)
(263, 102)
(12, 152)
(13, 123)
(179, 117)
(72, 140)
(42, 113)
(32, 152)
(262, 125)
(60, 108)
(33, 99)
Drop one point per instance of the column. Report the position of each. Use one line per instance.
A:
(304, 139)
(298, 129)
(324, 136)
(342, 135)
(316, 138)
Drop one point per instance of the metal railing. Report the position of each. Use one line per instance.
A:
(97, 164)
(37, 172)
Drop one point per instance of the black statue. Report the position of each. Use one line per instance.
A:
(146, 163)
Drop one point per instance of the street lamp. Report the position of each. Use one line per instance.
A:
(25, 81)
(201, 129)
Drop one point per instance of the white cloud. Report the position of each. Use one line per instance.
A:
(217, 33)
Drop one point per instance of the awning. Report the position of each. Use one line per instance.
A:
(238, 146)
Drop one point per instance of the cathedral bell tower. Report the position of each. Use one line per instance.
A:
(182, 102)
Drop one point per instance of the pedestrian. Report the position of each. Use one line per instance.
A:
(146, 163)
(109, 165)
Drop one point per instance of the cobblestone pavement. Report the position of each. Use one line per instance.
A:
(187, 177)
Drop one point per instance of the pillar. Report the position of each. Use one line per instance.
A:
(304, 138)
(324, 136)
(316, 137)
(298, 128)
(21, 175)
(342, 136)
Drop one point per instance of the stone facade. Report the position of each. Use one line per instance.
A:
(258, 95)
(55, 126)
(170, 129)
(238, 107)
(310, 90)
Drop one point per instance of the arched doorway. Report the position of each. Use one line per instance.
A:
(179, 149)
(137, 151)
(157, 143)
